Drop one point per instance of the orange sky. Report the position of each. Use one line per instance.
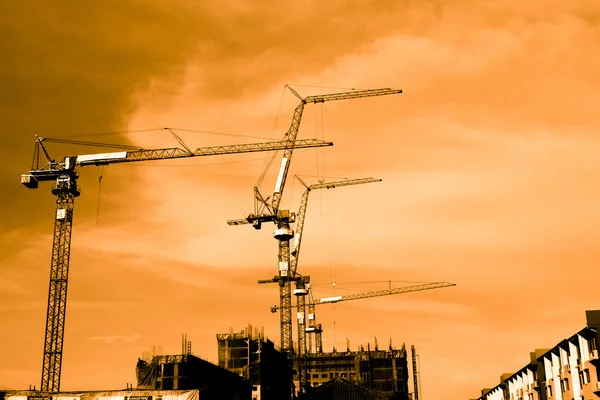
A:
(488, 161)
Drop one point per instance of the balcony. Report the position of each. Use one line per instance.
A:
(594, 358)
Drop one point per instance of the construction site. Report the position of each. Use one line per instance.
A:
(250, 365)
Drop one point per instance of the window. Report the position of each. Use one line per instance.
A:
(549, 387)
(315, 376)
(324, 375)
(586, 375)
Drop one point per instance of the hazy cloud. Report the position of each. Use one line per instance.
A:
(112, 339)
(488, 159)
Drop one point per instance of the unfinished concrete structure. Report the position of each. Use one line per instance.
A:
(185, 371)
(250, 355)
(340, 388)
(384, 371)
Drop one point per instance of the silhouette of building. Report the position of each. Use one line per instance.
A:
(340, 388)
(185, 371)
(569, 370)
(249, 354)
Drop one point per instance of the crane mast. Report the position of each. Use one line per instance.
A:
(415, 372)
(65, 192)
(269, 211)
(302, 281)
(313, 327)
(66, 189)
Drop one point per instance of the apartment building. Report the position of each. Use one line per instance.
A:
(568, 371)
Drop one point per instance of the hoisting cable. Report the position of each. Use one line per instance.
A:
(181, 142)
(328, 87)
(100, 170)
(269, 160)
(96, 144)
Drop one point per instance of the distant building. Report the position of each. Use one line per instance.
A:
(568, 371)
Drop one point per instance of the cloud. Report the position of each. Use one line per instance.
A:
(112, 339)
(488, 160)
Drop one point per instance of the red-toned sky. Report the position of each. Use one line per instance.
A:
(488, 159)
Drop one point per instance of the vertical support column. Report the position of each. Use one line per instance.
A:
(311, 324)
(415, 372)
(285, 300)
(65, 192)
(283, 234)
(319, 339)
(301, 294)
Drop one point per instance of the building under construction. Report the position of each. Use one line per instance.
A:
(250, 355)
(383, 371)
(185, 371)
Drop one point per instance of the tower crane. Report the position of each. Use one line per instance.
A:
(355, 296)
(267, 209)
(64, 174)
(302, 281)
(378, 293)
